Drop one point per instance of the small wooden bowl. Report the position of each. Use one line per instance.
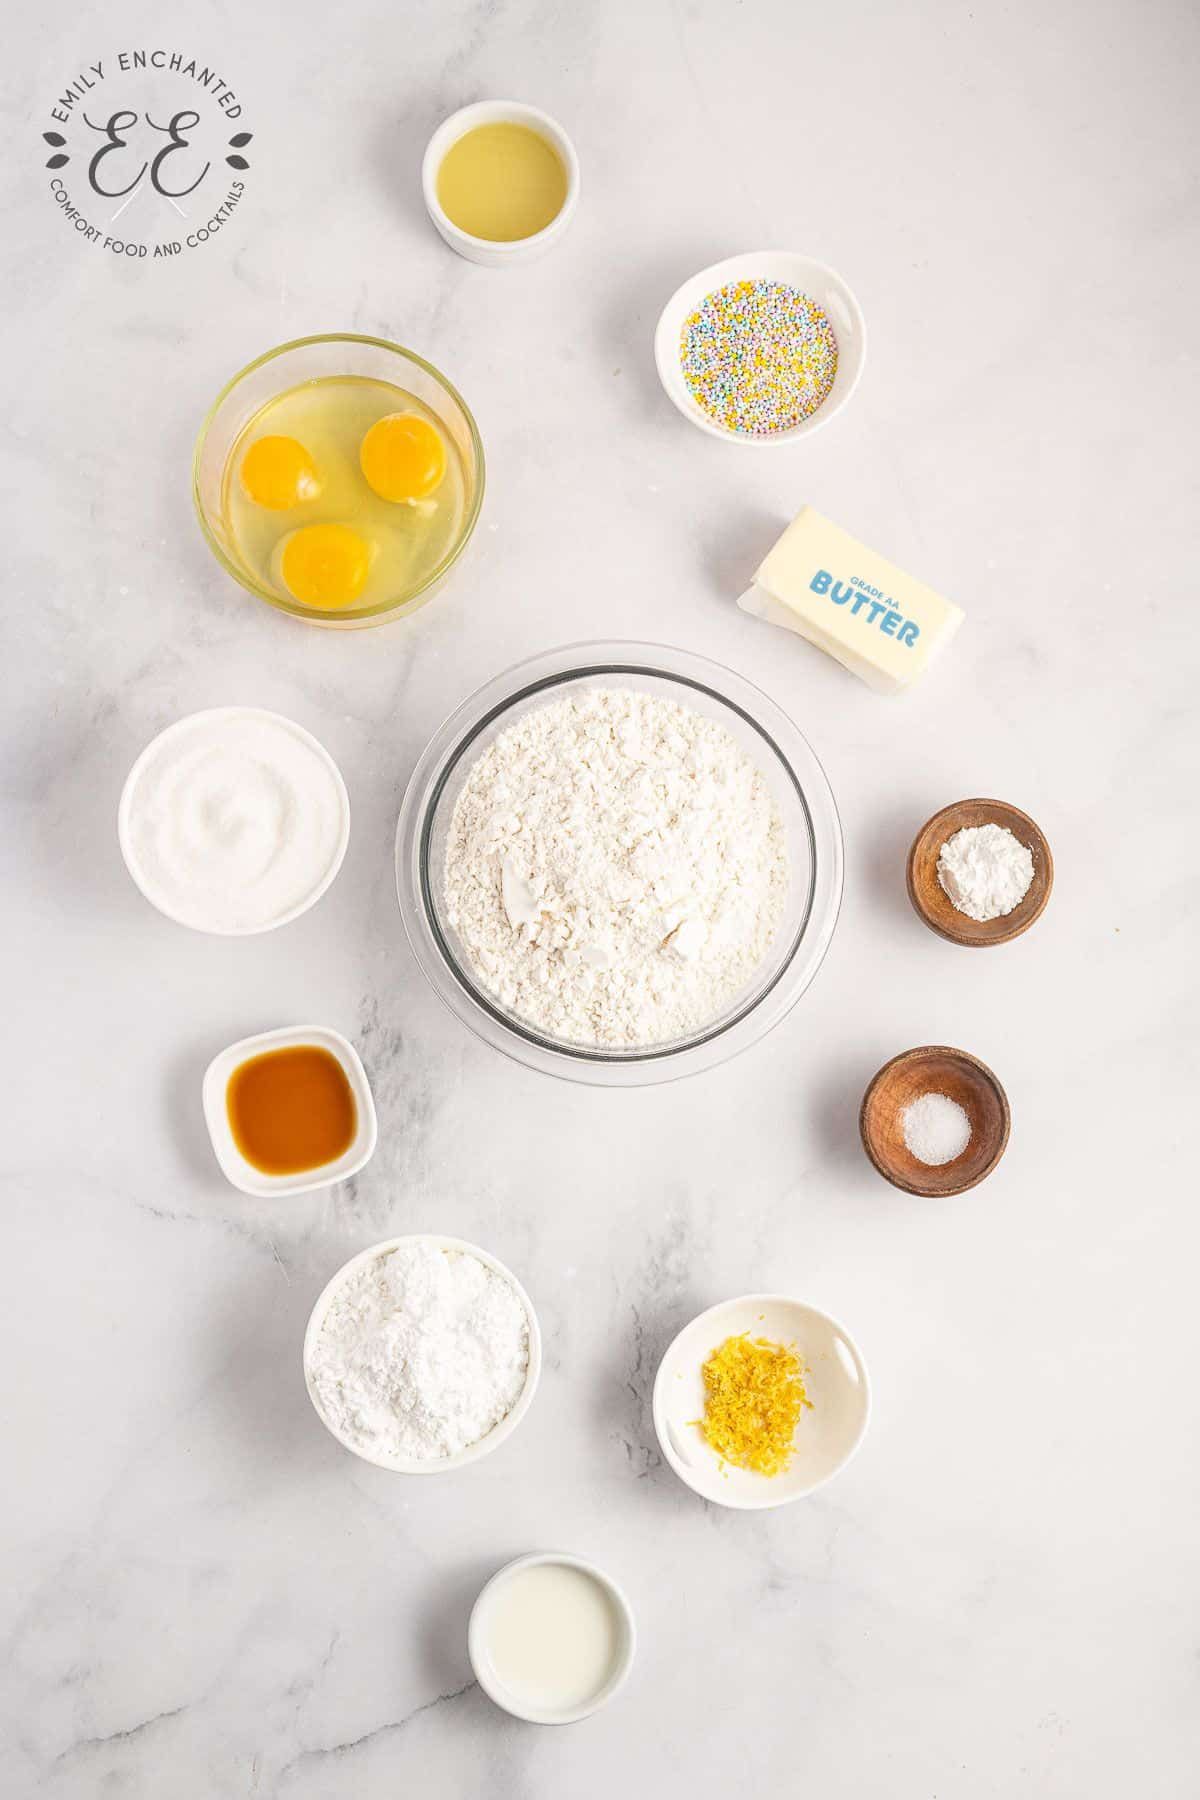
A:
(934, 1068)
(931, 900)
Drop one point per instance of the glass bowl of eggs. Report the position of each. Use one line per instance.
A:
(339, 478)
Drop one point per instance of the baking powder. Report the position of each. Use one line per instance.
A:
(985, 871)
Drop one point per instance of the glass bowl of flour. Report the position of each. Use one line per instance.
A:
(619, 863)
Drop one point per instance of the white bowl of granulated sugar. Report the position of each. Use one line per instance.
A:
(422, 1354)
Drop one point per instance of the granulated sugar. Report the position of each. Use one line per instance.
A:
(616, 868)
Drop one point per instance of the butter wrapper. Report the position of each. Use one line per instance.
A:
(850, 602)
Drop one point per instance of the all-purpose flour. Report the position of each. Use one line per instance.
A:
(421, 1353)
(616, 868)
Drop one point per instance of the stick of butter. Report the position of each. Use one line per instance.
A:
(874, 619)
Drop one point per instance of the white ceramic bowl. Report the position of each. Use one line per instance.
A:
(498, 112)
(835, 1378)
(813, 278)
(404, 1465)
(798, 786)
(125, 820)
(234, 1166)
(490, 1681)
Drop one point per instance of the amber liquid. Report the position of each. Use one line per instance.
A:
(291, 1110)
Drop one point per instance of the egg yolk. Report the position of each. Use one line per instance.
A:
(403, 457)
(278, 473)
(325, 566)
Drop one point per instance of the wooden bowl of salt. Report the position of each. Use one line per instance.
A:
(898, 1118)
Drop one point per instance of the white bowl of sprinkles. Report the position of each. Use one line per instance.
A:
(762, 348)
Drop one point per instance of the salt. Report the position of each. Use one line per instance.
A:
(936, 1129)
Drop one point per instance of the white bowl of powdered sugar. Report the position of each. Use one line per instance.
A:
(422, 1354)
(619, 863)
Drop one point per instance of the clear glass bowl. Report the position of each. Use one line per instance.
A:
(312, 359)
(797, 782)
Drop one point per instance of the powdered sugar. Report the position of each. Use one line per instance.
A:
(615, 868)
(421, 1353)
(985, 871)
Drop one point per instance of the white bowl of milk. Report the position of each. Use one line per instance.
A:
(551, 1638)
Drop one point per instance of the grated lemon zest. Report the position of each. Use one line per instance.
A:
(753, 1397)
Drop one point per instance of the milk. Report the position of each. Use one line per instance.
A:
(552, 1635)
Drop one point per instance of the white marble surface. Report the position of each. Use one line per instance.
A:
(203, 1594)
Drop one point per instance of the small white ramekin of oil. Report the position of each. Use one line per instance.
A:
(500, 182)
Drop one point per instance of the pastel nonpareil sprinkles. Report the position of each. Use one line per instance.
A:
(758, 356)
